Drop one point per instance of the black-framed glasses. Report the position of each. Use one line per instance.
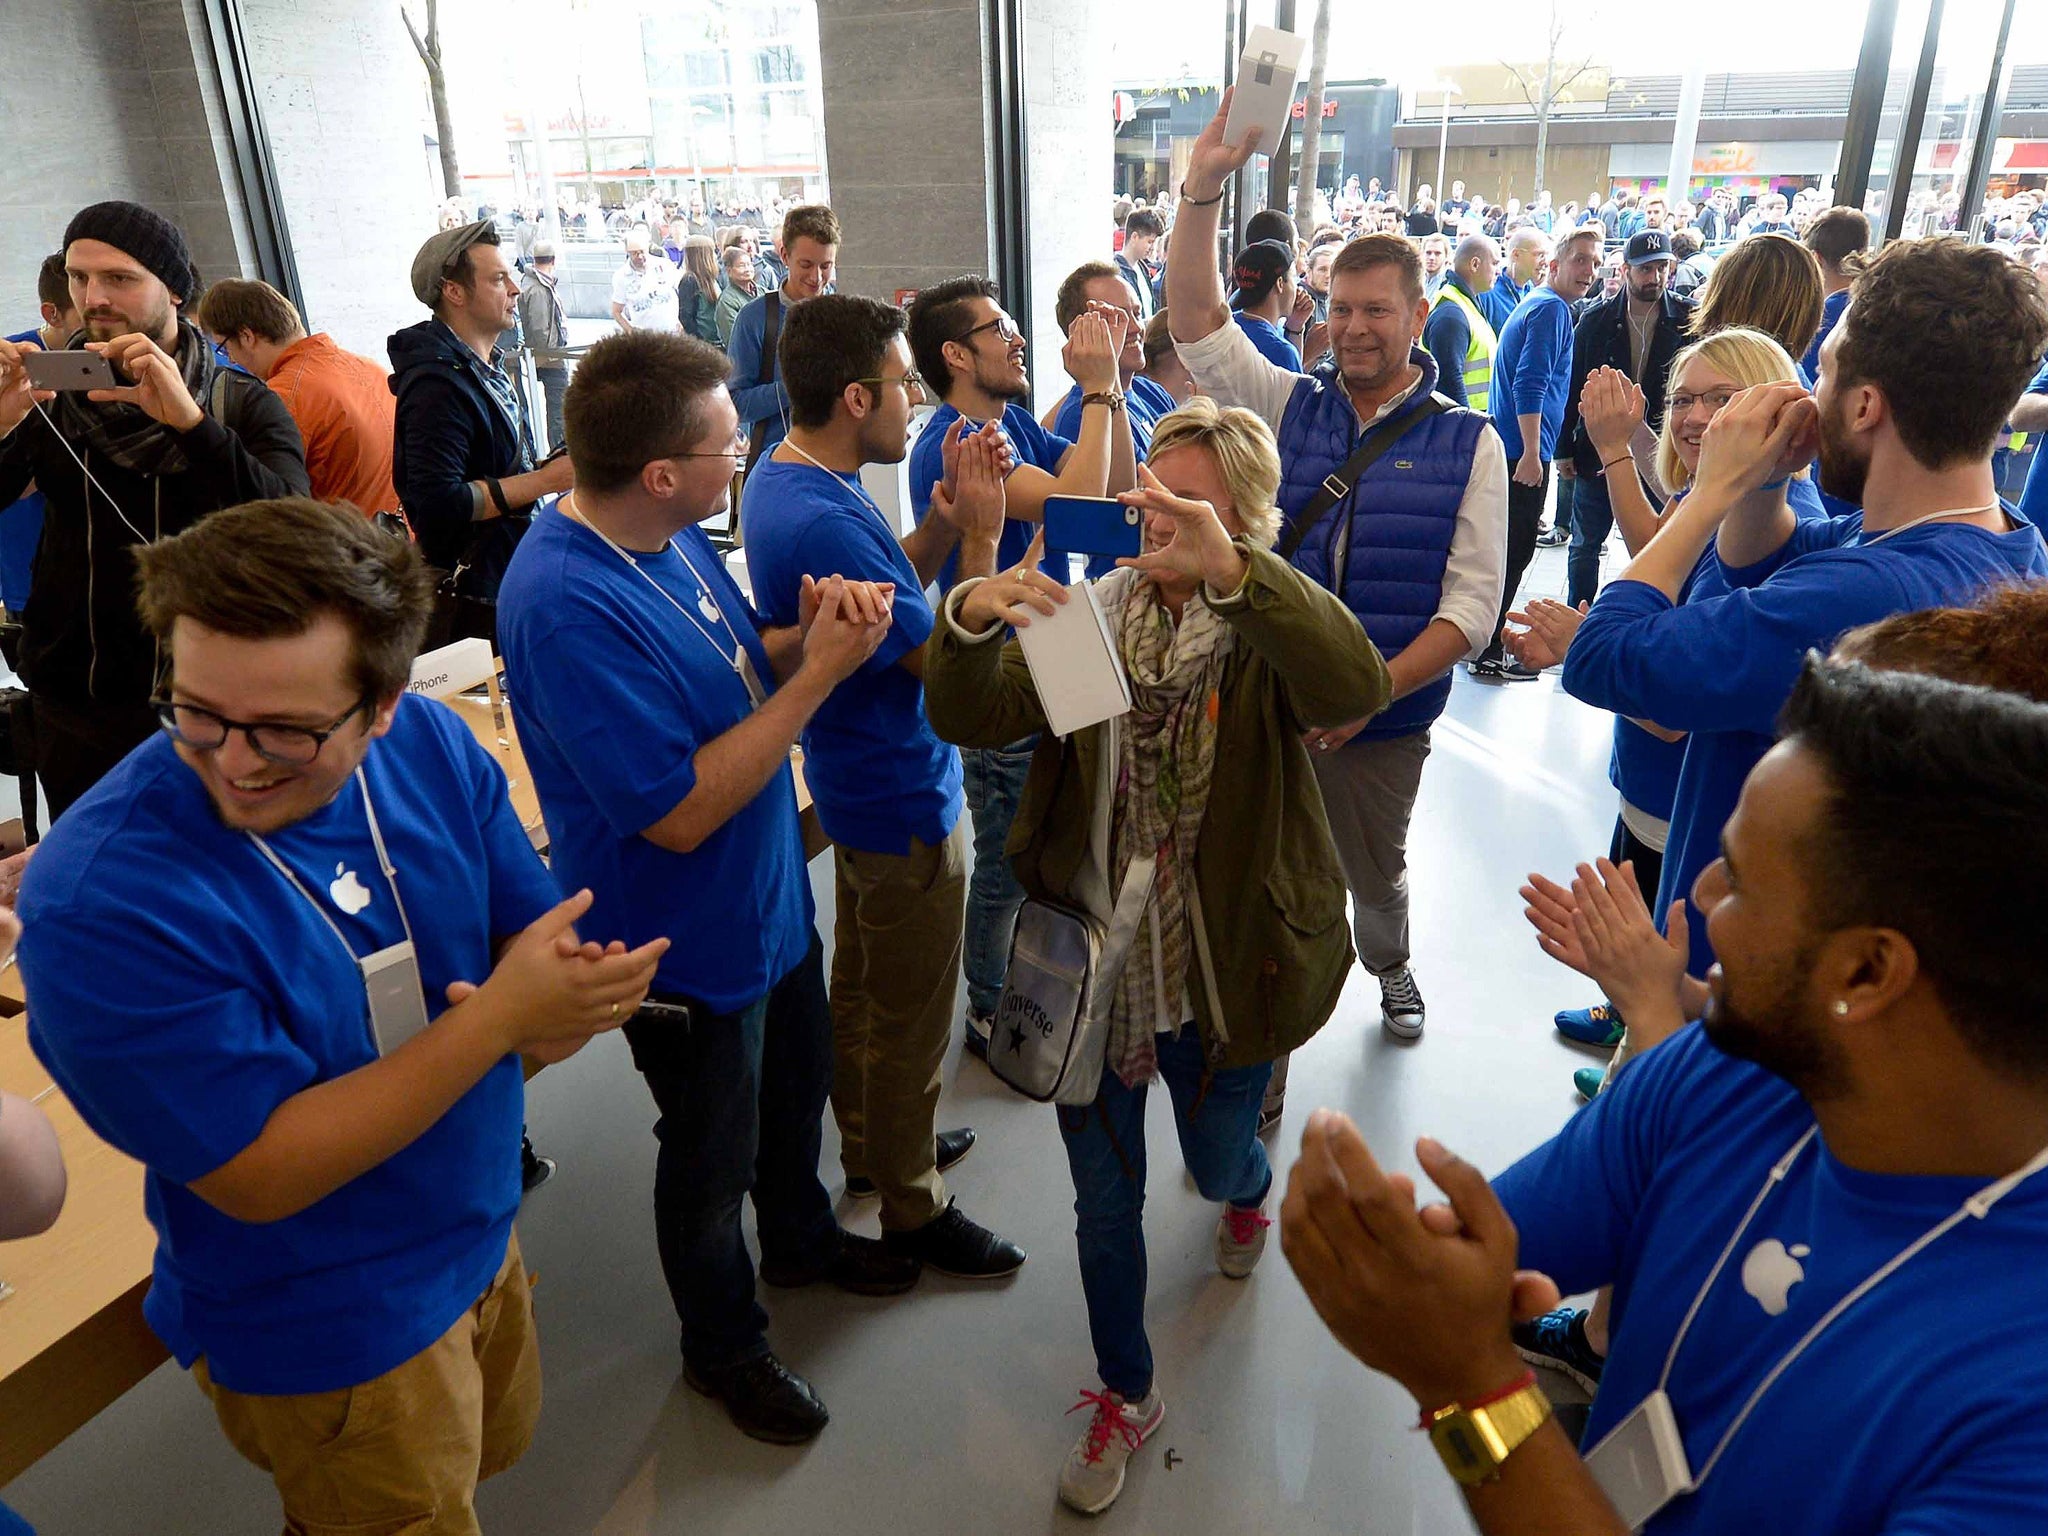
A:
(910, 380)
(204, 731)
(740, 444)
(1004, 327)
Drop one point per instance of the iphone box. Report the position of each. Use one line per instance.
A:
(1075, 664)
(1264, 90)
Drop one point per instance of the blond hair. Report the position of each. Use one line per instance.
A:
(1242, 447)
(1742, 355)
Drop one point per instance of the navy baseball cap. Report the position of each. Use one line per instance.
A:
(1647, 245)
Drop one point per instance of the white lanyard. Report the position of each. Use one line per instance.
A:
(383, 863)
(737, 658)
(1989, 506)
(852, 485)
(1978, 1205)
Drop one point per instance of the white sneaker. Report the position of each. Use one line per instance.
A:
(1401, 1005)
(1094, 1473)
(1240, 1239)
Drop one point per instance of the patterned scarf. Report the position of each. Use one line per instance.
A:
(129, 435)
(1167, 754)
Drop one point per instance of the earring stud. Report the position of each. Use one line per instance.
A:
(1841, 1008)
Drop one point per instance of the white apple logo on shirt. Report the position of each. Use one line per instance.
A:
(351, 895)
(1770, 1272)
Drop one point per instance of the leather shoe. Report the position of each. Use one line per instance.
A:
(952, 1146)
(956, 1246)
(765, 1399)
(859, 1264)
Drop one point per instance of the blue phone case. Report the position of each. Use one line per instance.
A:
(1093, 525)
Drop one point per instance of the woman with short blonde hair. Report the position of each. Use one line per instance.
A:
(1245, 454)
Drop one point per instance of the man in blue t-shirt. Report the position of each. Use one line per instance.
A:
(21, 525)
(887, 789)
(288, 955)
(658, 714)
(1532, 375)
(971, 355)
(1904, 426)
(1822, 1210)
(2030, 414)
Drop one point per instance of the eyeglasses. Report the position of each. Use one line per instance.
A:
(740, 444)
(204, 731)
(1715, 400)
(910, 380)
(1005, 329)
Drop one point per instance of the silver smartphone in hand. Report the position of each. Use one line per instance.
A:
(68, 370)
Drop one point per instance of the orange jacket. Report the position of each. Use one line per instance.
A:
(344, 408)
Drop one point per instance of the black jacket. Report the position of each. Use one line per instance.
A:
(451, 433)
(1601, 339)
(82, 640)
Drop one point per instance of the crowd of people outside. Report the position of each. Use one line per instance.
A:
(1818, 994)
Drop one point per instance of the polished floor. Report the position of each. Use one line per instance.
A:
(948, 1403)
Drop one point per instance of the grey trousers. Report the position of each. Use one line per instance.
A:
(1369, 793)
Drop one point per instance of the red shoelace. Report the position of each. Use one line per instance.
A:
(1245, 1225)
(1109, 1419)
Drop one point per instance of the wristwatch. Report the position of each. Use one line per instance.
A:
(1475, 1439)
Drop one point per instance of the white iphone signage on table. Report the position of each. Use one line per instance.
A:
(1263, 94)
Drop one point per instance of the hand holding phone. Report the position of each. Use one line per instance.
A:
(18, 396)
(69, 370)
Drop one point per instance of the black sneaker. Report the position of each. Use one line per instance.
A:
(952, 1146)
(534, 1170)
(1514, 672)
(956, 1246)
(765, 1400)
(1485, 668)
(1554, 537)
(1556, 1341)
(860, 1265)
(980, 1026)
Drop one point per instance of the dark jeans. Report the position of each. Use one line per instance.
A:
(77, 745)
(742, 1100)
(1106, 1154)
(994, 782)
(1649, 863)
(1525, 516)
(1592, 520)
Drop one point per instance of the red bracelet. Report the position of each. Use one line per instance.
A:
(1525, 1380)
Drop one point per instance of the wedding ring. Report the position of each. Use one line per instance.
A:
(615, 1010)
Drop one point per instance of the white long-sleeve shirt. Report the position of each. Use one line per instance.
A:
(1228, 368)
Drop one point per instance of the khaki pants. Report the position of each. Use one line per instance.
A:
(895, 984)
(402, 1453)
(1369, 790)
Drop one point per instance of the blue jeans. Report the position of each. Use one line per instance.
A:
(742, 1100)
(994, 781)
(1592, 521)
(1106, 1154)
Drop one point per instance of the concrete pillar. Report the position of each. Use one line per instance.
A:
(906, 140)
(1692, 91)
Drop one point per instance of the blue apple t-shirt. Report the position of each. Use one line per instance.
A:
(1916, 1413)
(181, 990)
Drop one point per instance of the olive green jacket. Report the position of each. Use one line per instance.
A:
(1270, 892)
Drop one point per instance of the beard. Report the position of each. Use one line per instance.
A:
(1842, 474)
(1004, 389)
(106, 324)
(1773, 1029)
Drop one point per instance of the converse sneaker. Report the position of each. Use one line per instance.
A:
(1240, 1239)
(1401, 1005)
(1094, 1473)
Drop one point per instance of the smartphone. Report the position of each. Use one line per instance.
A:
(68, 370)
(677, 1016)
(1093, 525)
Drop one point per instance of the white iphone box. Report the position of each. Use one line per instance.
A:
(1264, 92)
(1075, 664)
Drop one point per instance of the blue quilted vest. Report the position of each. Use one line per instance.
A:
(1402, 514)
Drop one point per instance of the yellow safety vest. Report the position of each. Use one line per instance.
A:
(1478, 351)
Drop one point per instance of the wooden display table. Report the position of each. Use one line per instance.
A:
(72, 1338)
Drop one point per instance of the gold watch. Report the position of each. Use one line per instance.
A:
(1474, 1442)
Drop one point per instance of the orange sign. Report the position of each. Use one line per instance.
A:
(1723, 159)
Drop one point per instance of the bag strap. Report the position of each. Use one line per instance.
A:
(1340, 482)
(1122, 932)
(771, 334)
